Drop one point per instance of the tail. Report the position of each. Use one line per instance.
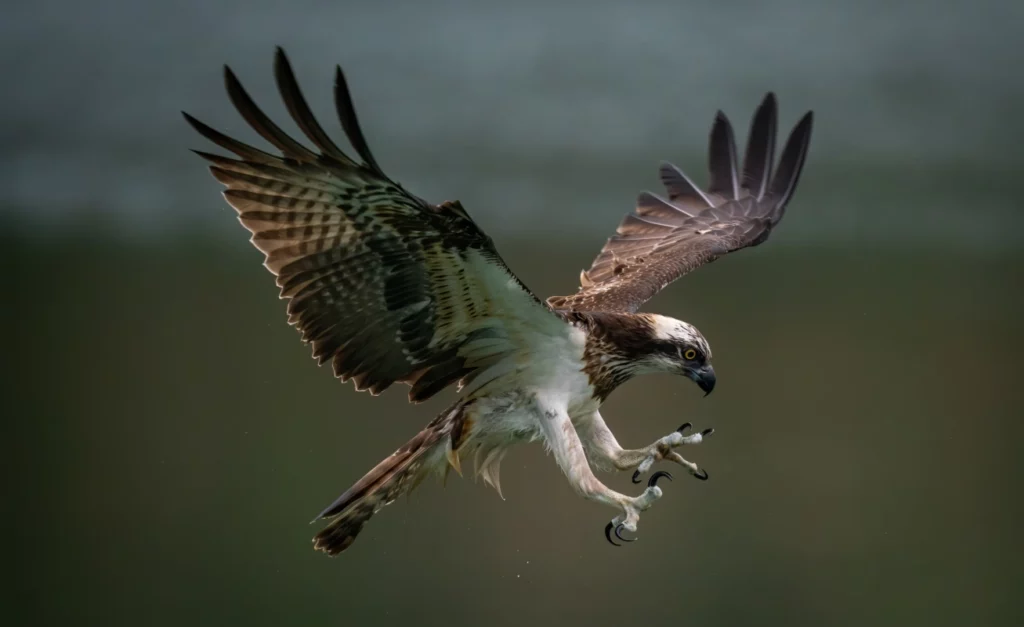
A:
(429, 452)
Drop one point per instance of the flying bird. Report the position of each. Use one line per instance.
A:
(390, 288)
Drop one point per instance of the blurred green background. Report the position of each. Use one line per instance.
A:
(169, 437)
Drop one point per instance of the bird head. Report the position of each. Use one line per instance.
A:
(677, 347)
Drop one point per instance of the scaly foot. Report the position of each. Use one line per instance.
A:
(662, 449)
(631, 514)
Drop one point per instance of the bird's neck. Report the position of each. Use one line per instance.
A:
(615, 344)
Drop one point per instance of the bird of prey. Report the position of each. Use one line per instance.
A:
(389, 287)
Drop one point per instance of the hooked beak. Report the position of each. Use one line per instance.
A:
(704, 378)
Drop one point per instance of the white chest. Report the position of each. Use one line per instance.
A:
(557, 375)
(551, 378)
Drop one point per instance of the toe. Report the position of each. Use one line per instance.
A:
(643, 502)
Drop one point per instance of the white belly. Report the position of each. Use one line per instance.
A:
(513, 412)
(508, 411)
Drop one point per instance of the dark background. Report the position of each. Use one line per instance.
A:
(168, 437)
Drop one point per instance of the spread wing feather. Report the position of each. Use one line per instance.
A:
(663, 239)
(385, 286)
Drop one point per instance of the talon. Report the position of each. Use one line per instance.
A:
(617, 530)
(703, 476)
(608, 534)
(684, 427)
(636, 477)
(707, 432)
(653, 481)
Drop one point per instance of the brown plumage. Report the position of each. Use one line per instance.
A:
(663, 239)
(375, 277)
(615, 344)
(394, 476)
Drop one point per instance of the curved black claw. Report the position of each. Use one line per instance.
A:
(619, 528)
(703, 476)
(608, 534)
(636, 477)
(684, 427)
(707, 432)
(653, 481)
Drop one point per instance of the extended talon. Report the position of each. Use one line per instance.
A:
(636, 476)
(618, 528)
(706, 432)
(608, 534)
(684, 427)
(703, 476)
(653, 481)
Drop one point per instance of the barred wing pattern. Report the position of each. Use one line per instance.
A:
(663, 239)
(384, 285)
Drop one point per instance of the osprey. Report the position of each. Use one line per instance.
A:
(389, 287)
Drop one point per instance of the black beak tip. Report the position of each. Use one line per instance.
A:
(706, 380)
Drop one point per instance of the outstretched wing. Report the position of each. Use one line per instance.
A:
(386, 286)
(663, 239)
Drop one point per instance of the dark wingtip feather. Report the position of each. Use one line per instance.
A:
(298, 108)
(757, 162)
(722, 158)
(349, 121)
(259, 121)
(193, 122)
(241, 149)
(209, 156)
(791, 163)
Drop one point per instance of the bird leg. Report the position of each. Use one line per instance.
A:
(565, 444)
(605, 452)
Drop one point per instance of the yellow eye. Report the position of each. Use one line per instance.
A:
(690, 354)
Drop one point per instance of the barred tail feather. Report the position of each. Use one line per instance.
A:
(399, 474)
